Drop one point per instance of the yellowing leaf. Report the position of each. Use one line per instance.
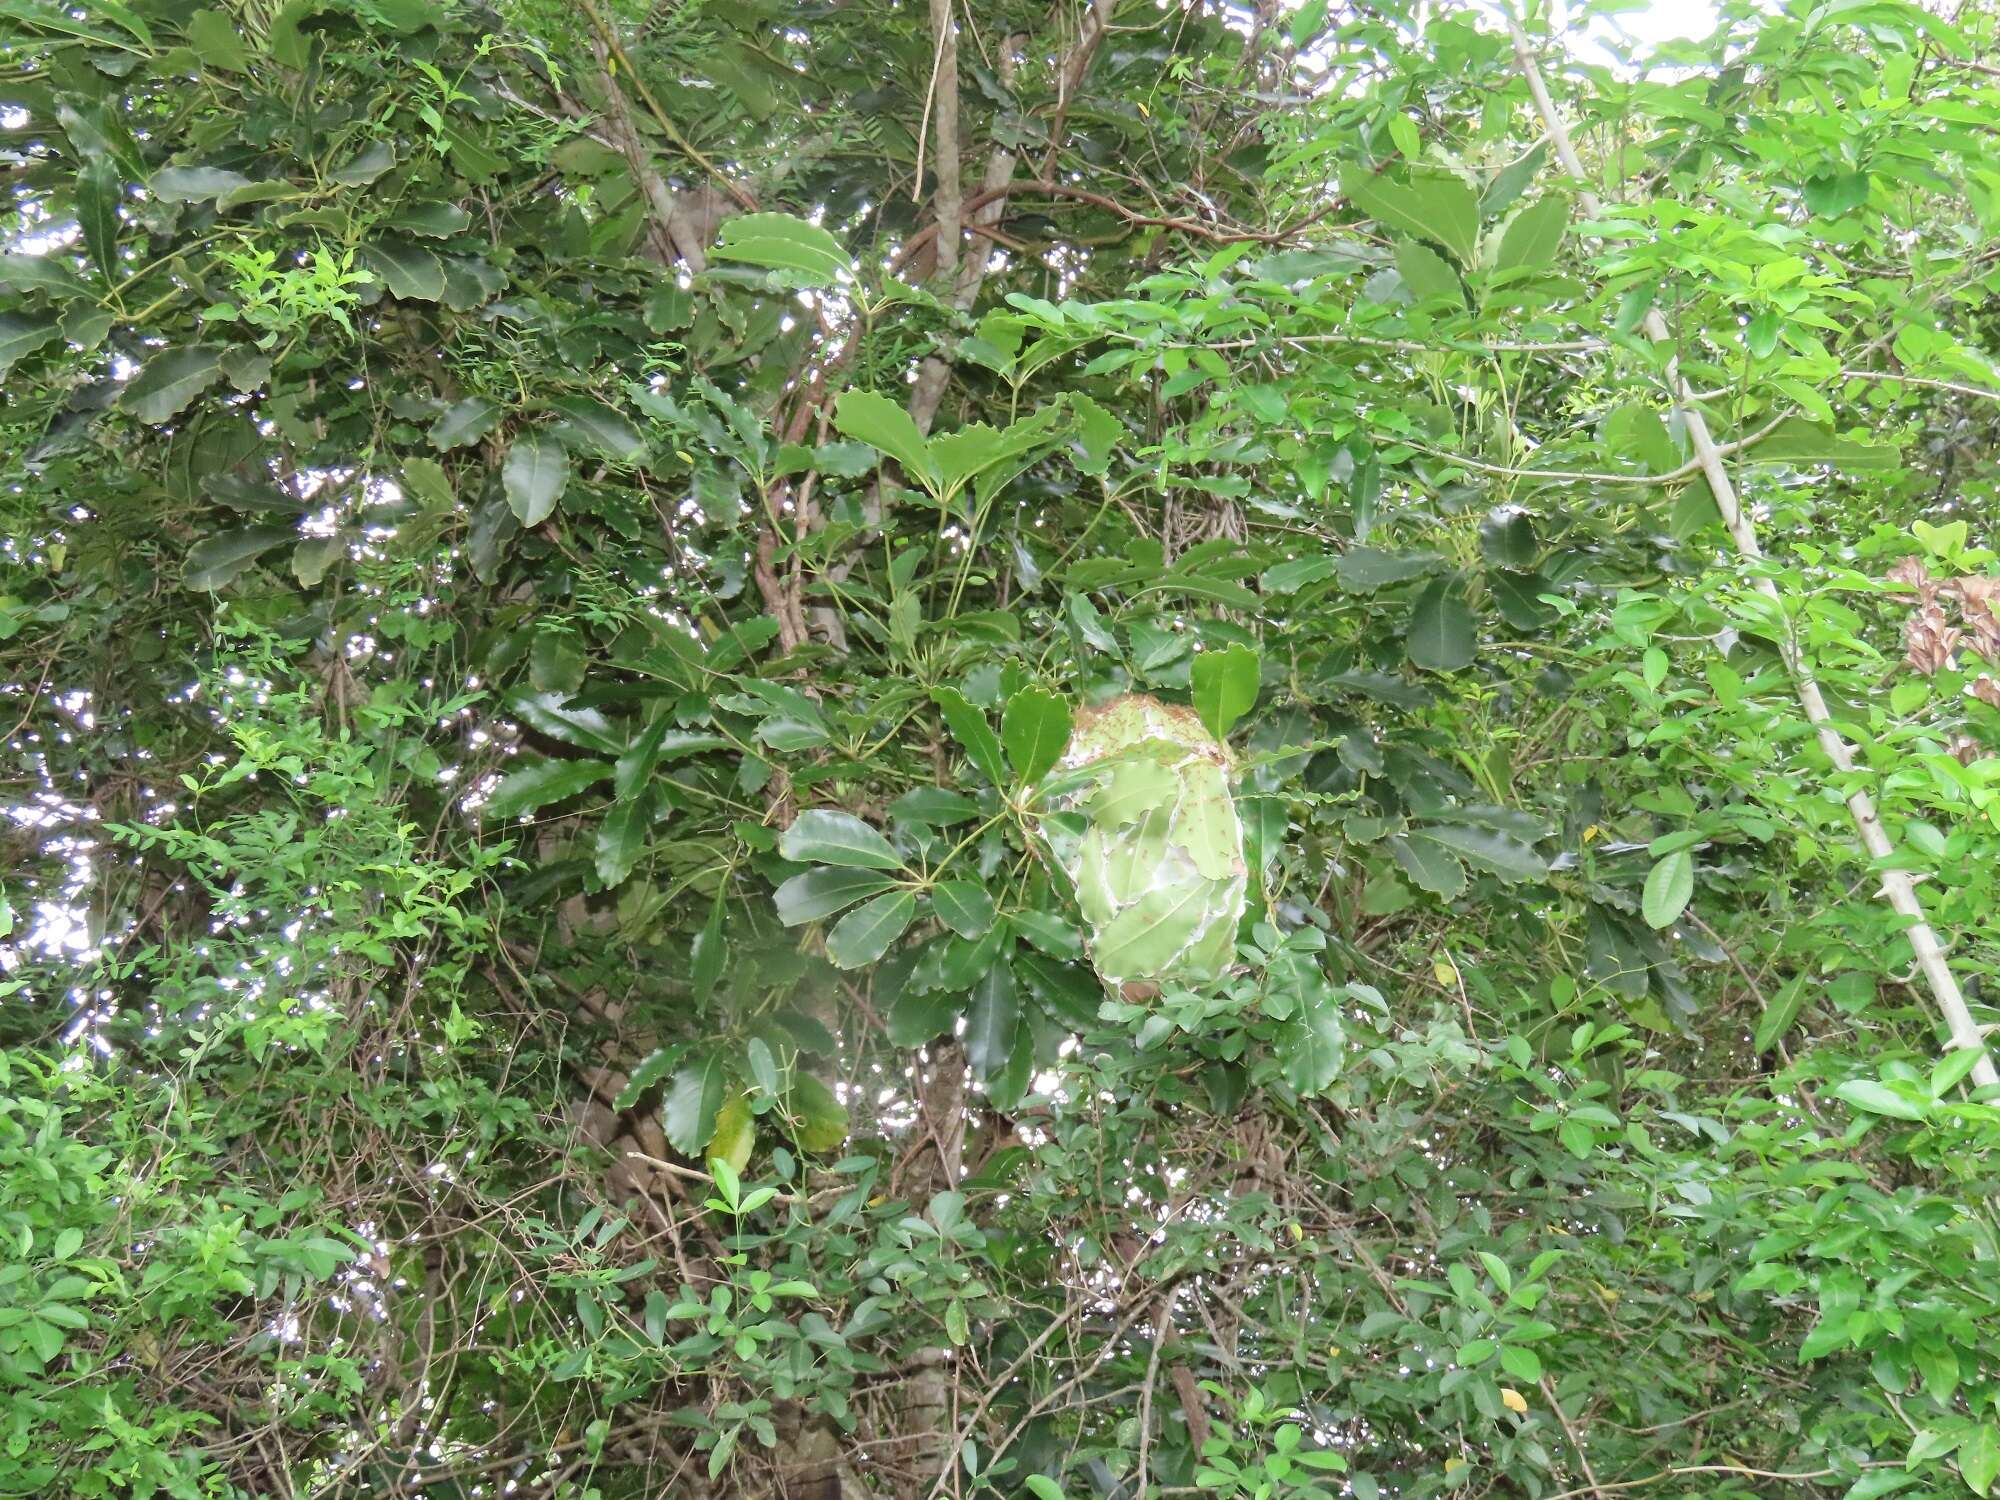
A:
(1513, 1400)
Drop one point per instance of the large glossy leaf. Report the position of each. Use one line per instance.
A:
(1225, 685)
(541, 783)
(990, 1020)
(1488, 849)
(621, 838)
(1440, 634)
(1535, 234)
(883, 424)
(693, 1099)
(780, 242)
(969, 725)
(170, 381)
(1432, 205)
(22, 334)
(535, 475)
(1034, 731)
(963, 906)
(864, 934)
(823, 836)
(100, 187)
(824, 891)
(216, 560)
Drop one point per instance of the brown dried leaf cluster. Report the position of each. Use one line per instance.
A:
(1929, 636)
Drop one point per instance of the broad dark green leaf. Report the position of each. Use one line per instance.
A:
(535, 475)
(780, 242)
(464, 422)
(1432, 205)
(1034, 731)
(216, 560)
(1669, 886)
(22, 335)
(99, 188)
(537, 785)
(170, 381)
(820, 835)
(692, 1102)
(1535, 234)
(1440, 636)
(963, 906)
(883, 424)
(822, 892)
(864, 934)
(1488, 849)
(1225, 687)
(621, 838)
(990, 1021)
(974, 734)
(193, 184)
(1362, 570)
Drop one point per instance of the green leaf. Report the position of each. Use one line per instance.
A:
(621, 838)
(1035, 732)
(1224, 687)
(169, 382)
(22, 335)
(194, 184)
(1488, 849)
(990, 1021)
(933, 807)
(464, 422)
(658, 743)
(535, 475)
(1362, 570)
(216, 41)
(1669, 887)
(1535, 235)
(409, 271)
(1043, 1487)
(594, 428)
(1290, 577)
(1476, 1353)
(882, 424)
(1799, 442)
(1780, 1012)
(48, 274)
(823, 836)
(973, 732)
(822, 892)
(864, 934)
(708, 954)
(1439, 636)
(1429, 864)
(99, 188)
(537, 785)
(818, 1118)
(1433, 205)
(1880, 1099)
(963, 906)
(216, 560)
(1427, 274)
(779, 242)
(1313, 1043)
(693, 1099)
(1979, 1458)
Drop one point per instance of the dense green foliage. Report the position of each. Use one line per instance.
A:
(558, 940)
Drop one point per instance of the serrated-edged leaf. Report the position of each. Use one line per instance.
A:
(1429, 864)
(780, 242)
(654, 1066)
(883, 424)
(367, 164)
(48, 274)
(426, 480)
(170, 381)
(21, 334)
(1224, 687)
(1048, 932)
(969, 725)
(1488, 849)
(963, 906)
(534, 477)
(433, 220)
(692, 1101)
(99, 188)
(658, 743)
(824, 836)
(547, 713)
(822, 892)
(1440, 635)
(864, 934)
(621, 838)
(215, 560)
(538, 785)
(1427, 274)
(1669, 886)
(1034, 731)
(463, 422)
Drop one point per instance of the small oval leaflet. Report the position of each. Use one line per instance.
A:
(1139, 815)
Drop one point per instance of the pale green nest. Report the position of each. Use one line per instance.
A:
(1142, 821)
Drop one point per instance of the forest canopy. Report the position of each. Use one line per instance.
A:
(1114, 748)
